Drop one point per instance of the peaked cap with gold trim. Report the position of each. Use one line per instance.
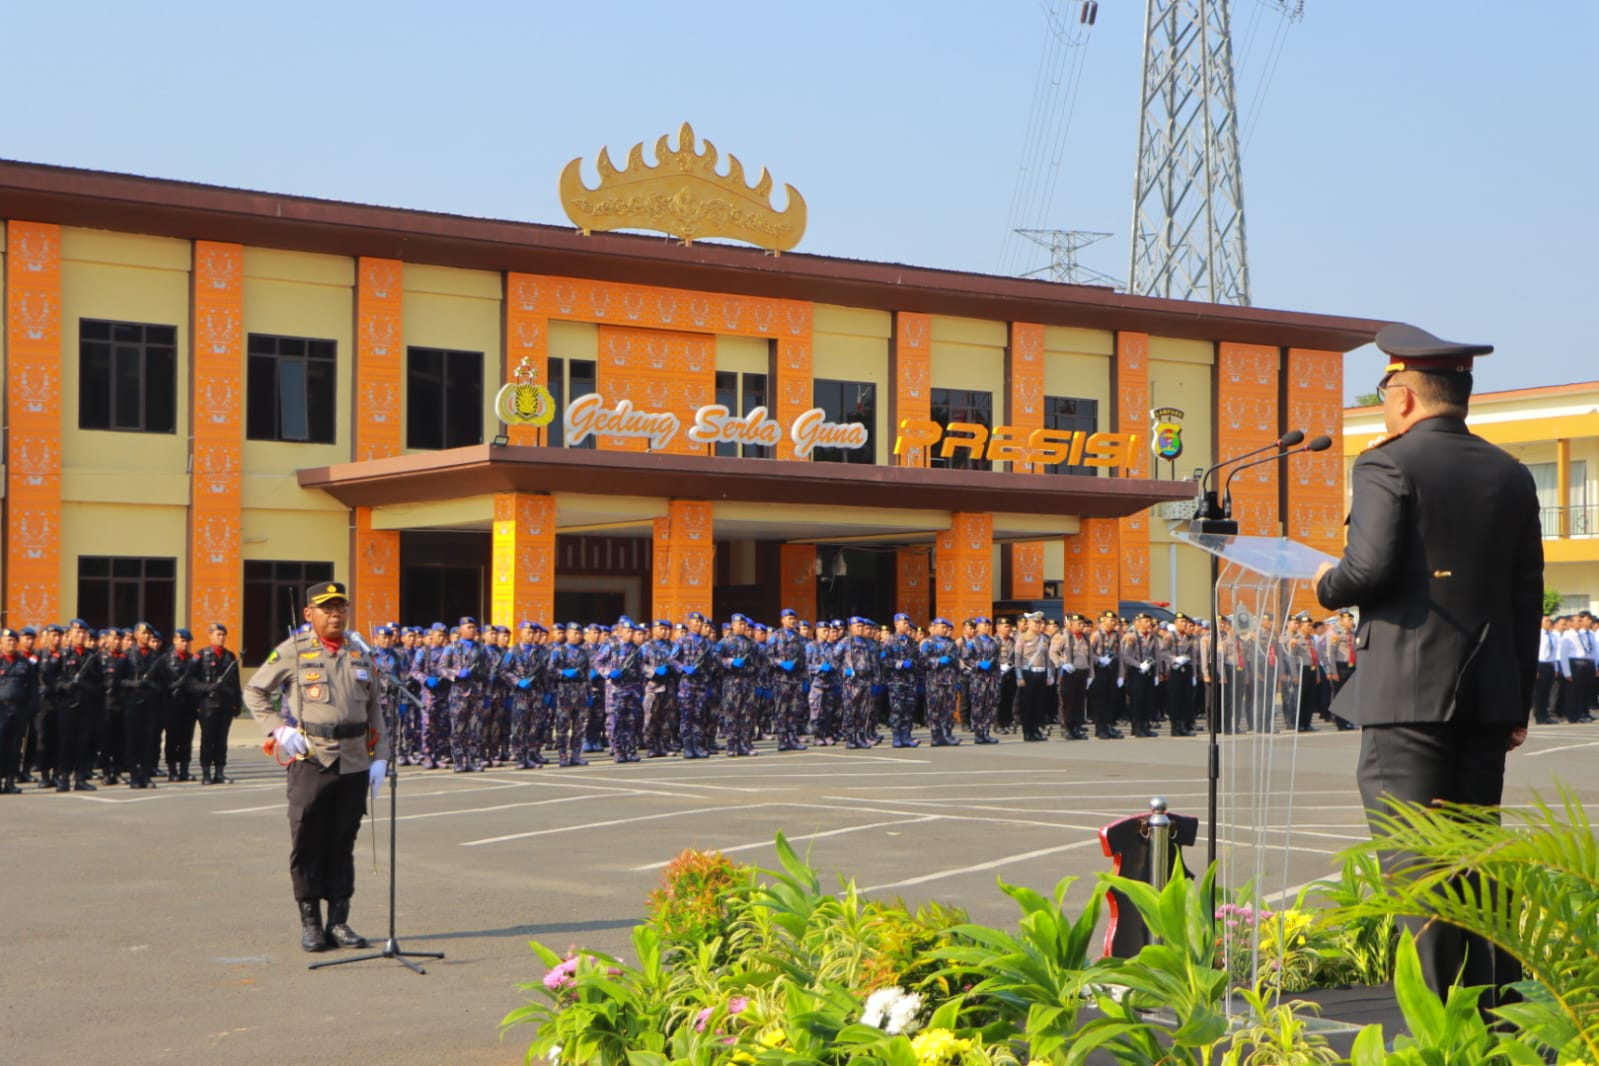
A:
(1413, 348)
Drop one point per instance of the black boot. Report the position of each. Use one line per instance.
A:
(9, 787)
(83, 784)
(183, 772)
(218, 778)
(205, 775)
(312, 935)
(339, 931)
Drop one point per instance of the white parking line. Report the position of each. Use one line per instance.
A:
(992, 864)
(805, 836)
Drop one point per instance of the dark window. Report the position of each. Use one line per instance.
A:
(127, 376)
(443, 398)
(580, 381)
(120, 590)
(555, 432)
(274, 604)
(293, 389)
(741, 394)
(847, 401)
(962, 405)
(1075, 414)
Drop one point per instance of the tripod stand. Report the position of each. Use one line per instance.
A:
(391, 946)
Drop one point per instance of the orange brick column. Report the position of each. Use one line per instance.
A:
(1024, 379)
(911, 368)
(966, 567)
(33, 413)
(1246, 419)
(1132, 416)
(524, 559)
(376, 556)
(798, 565)
(216, 517)
(527, 336)
(792, 392)
(379, 358)
(912, 593)
(685, 560)
(1092, 578)
(1315, 507)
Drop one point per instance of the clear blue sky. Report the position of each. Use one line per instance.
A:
(1425, 161)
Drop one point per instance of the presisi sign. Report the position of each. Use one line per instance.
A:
(588, 416)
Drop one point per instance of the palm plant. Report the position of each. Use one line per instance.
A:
(1530, 887)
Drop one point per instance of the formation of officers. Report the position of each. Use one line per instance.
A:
(474, 698)
(79, 706)
(76, 704)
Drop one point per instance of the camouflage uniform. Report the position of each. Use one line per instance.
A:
(522, 675)
(568, 670)
(660, 696)
(620, 663)
(741, 667)
(859, 662)
(980, 661)
(468, 665)
(938, 658)
(697, 669)
(901, 665)
(435, 690)
(785, 653)
(821, 663)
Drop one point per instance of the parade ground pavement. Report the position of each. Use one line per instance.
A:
(158, 927)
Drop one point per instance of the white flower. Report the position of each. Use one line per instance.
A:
(879, 1004)
(902, 1015)
(555, 1053)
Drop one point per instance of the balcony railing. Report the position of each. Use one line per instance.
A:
(1579, 521)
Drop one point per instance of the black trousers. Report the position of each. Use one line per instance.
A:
(1033, 697)
(78, 720)
(180, 733)
(12, 720)
(138, 728)
(1005, 713)
(1577, 693)
(325, 809)
(1073, 695)
(1180, 695)
(1545, 694)
(214, 725)
(45, 743)
(1141, 695)
(1459, 761)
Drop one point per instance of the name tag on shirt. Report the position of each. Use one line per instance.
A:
(360, 675)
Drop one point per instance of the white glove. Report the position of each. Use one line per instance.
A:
(291, 742)
(1144, 666)
(1120, 681)
(1005, 668)
(1182, 660)
(1104, 660)
(376, 773)
(1069, 668)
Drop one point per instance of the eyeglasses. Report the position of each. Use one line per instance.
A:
(1382, 390)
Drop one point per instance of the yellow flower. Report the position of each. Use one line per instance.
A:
(774, 1037)
(935, 1047)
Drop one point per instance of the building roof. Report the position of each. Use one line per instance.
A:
(102, 200)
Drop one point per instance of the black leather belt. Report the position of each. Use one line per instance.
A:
(341, 731)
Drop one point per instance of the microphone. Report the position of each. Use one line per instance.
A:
(1318, 444)
(354, 637)
(1208, 506)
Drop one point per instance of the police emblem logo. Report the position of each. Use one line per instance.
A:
(1166, 432)
(313, 675)
(314, 692)
(524, 402)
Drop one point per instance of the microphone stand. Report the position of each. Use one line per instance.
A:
(391, 946)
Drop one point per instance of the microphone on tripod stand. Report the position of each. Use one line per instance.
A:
(1208, 514)
(1317, 444)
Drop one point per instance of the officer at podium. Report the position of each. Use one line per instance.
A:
(1444, 558)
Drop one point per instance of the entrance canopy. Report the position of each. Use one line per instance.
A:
(756, 498)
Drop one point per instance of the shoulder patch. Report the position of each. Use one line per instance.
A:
(273, 657)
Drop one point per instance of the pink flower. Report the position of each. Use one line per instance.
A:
(561, 975)
(737, 1004)
(701, 1018)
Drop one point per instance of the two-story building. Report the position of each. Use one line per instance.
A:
(215, 397)
(1554, 429)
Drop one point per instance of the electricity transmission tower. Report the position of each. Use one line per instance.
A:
(1188, 193)
(1063, 246)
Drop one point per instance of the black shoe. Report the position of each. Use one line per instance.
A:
(47, 782)
(183, 772)
(339, 931)
(217, 777)
(83, 784)
(312, 936)
(205, 776)
(63, 784)
(9, 787)
(25, 778)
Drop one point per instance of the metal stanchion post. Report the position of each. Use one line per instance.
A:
(1159, 844)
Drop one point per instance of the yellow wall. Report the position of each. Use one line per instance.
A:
(968, 353)
(123, 278)
(298, 294)
(745, 355)
(851, 344)
(120, 528)
(574, 340)
(460, 310)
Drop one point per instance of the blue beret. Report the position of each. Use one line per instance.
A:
(184, 633)
(941, 621)
(28, 631)
(695, 616)
(53, 628)
(789, 612)
(466, 620)
(902, 618)
(438, 627)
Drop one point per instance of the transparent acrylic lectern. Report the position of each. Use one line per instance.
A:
(1259, 660)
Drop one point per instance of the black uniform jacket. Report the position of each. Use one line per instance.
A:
(1445, 561)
